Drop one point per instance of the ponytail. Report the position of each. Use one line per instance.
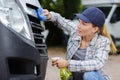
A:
(104, 32)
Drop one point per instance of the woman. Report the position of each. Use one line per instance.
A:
(88, 45)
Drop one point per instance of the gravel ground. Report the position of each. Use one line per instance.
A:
(112, 66)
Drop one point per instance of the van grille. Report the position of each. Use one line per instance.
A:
(37, 28)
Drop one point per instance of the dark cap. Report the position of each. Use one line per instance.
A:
(92, 15)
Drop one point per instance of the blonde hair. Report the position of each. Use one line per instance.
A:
(104, 32)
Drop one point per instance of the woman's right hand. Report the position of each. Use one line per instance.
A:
(47, 14)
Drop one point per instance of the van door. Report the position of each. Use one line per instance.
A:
(112, 14)
(115, 25)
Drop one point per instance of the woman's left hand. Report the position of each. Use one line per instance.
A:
(62, 63)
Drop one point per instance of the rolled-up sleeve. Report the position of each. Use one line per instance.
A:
(63, 23)
(96, 63)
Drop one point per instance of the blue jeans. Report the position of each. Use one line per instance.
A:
(93, 75)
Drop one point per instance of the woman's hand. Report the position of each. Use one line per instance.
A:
(61, 63)
(47, 14)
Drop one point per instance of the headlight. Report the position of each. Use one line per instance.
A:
(17, 20)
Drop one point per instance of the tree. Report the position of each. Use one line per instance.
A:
(53, 5)
(71, 7)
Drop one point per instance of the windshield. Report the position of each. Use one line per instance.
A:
(105, 10)
(116, 15)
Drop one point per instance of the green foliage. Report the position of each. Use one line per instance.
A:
(53, 5)
(64, 7)
(71, 7)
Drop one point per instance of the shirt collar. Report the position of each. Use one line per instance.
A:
(93, 41)
(76, 37)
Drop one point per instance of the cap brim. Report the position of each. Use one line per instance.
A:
(82, 17)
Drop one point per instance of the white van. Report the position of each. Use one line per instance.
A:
(111, 8)
(23, 51)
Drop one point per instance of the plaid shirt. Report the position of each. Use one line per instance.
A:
(97, 50)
